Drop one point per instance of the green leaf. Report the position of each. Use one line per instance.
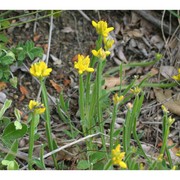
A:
(97, 156)
(4, 122)
(17, 125)
(83, 164)
(37, 51)
(3, 38)
(28, 46)
(10, 133)
(11, 165)
(12, 152)
(31, 55)
(13, 81)
(17, 114)
(21, 56)
(6, 105)
(39, 164)
(7, 60)
(5, 24)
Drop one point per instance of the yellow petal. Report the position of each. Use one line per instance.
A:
(123, 164)
(94, 24)
(94, 52)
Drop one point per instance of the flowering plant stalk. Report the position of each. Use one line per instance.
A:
(40, 70)
(36, 109)
(116, 100)
(167, 122)
(48, 120)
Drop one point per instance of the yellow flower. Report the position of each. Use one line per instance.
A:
(117, 99)
(178, 154)
(83, 64)
(101, 54)
(177, 77)
(108, 43)
(136, 90)
(141, 166)
(101, 28)
(37, 107)
(174, 168)
(117, 157)
(40, 69)
(160, 157)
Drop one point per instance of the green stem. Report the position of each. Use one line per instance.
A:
(135, 64)
(35, 19)
(5, 13)
(160, 85)
(165, 138)
(81, 103)
(169, 157)
(127, 131)
(31, 141)
(112, 126)
(108, 165)
(20, 16)
(47, 119)
(99, 86)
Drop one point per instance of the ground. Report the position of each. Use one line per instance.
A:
(136, 40)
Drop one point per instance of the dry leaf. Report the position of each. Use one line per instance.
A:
(57, 62)
(56, 86)
(157, 41)
(154, 71)
(36, 37)
(75, 58)
(66, 82)
(111, 82)
(135, 33)
(121, 54)
(168, 71)
(117, 27)
(45, 47)
(24, 92)
(165, 97)
(2, 85)
(67, 30)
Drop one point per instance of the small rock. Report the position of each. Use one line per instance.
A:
(2, 97)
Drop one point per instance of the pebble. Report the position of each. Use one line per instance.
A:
(2, 97)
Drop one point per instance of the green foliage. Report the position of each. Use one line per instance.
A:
(10, 133)
(11, 165)
(83, 164)
(4, 23)
(22, 51)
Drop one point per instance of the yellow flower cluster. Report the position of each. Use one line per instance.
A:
(117, 99)
(160, 157)
(136, 90)
(108, 43)
(101, 54)
(36, 107)
(83, 64)
(177, 77)
(40, 69)
(117, 157)
(102, 28)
